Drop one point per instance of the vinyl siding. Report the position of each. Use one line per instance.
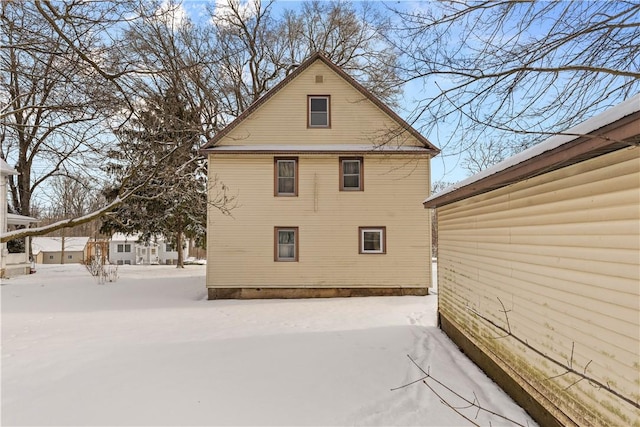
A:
(283, 119)
(562, 253)
(77, 257)
(241, 247)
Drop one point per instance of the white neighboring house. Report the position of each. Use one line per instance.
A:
(49, 250)
(126, 249)
(11, 263)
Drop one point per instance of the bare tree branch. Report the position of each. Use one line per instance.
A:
(510, 73)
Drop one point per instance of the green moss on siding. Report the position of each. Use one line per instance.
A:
(616, 410)
(563, 391)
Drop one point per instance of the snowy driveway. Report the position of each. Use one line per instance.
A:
(149, 349)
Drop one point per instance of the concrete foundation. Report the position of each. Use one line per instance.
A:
(288, 293)
(535, 407)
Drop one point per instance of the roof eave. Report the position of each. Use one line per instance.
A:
(424, 152)
(617, 135)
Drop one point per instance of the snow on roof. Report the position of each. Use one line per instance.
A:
(5, 169)
(123, 237)
(54, 244)
(133, 238)
(14, 219)
(617, 112)
(364, 148)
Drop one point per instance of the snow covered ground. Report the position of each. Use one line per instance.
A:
(149, 349)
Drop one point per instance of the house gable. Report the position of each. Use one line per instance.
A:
(356, 117)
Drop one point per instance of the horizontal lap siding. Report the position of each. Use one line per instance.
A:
(283, 118)
(562, 253)
(241, 247)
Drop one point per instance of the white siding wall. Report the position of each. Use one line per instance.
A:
(562, 252)
(116, 257)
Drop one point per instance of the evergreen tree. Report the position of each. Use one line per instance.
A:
(162, 142)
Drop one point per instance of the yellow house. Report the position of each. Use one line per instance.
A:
(328, 183)
(539, 272)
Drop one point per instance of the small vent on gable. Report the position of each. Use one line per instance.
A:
(319, 79)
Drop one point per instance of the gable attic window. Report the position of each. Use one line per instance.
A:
(286, 176)
(318, 106)
(351, 169)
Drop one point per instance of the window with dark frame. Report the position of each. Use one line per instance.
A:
(124, 247)
(286, 176)
(351, 169)
(372, 240)
(319, 111)
(286, 244)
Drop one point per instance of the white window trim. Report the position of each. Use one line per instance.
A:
(383, 239)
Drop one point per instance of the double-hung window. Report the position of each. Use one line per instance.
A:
(286, 176)
(286, 244)
(351, 169)
(124, 247)
(319, 111)
(373, 240)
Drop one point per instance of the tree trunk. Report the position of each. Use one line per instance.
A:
(62, 251)
(180, 263)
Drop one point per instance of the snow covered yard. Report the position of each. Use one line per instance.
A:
(149, 349)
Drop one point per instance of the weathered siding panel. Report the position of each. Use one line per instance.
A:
(241, 247)
(561, 251)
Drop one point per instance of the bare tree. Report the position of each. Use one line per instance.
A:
(175, 53)
(353, 37)
(254, 58)
(70, 196)
(481, 156)
(507, 74)
(78, 84)
(436, 187)
(260, 49)
(53, 106)
(121, 52)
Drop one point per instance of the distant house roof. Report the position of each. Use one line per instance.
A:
(133, 238)
(123, 237)
(14, 219)
(5, 169)
(611, 130)
(54, 244)
(320, 57)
